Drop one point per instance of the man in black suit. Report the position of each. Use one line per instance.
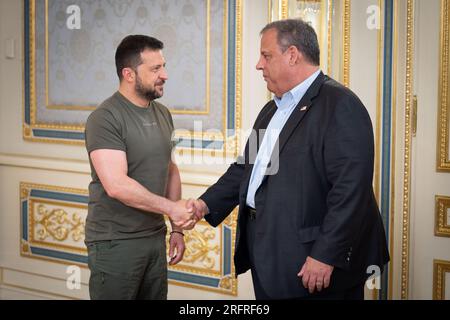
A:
(308, 224)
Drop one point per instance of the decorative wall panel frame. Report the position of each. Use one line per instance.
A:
(442, 223)
(443, 140)
(63, 129)
(50, 216)
(53, 216)
(440, 269)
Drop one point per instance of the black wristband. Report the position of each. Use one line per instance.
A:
(174, 231)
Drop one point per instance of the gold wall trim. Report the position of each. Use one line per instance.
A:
(443, 140)
(393, 151)
(225, 66)
(284, 9)
(346, 44)
(441, 223)
(440, 268)
(233, 145)
(407, 149)
(269, 8)
(330, 30)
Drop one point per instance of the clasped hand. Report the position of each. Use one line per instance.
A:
(186, 213)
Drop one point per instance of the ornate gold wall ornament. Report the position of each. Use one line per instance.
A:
(226, 283)
(24, 193)
(440, 268)
(24, 247)
(200, 248)
(52, 223)
(59, 225)
(442, 224)
(346, 45)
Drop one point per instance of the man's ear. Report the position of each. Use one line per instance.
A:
(295, 56)
(128, 74)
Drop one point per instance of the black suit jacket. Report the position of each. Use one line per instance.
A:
(320, 203)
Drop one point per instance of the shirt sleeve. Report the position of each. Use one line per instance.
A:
(169, 119)
(103, 131)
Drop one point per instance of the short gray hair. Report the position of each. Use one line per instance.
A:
(298, 33)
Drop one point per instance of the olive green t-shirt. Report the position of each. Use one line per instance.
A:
(144, 134)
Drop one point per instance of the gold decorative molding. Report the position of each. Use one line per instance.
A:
(269, 10)
(284, 9)
(28, 186)
(53, 230)
(442, 225)
(329, 32)
(346, 45)
(49, 224)
(25, 247)
(407, 149)
(199, 248)
(393, 151)
(226, 283)
(238, 101)
(440, 268)
(58, 224)
(443, 138)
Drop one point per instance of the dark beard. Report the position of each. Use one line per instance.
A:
(148, 94)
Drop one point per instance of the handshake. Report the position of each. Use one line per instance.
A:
(185, 214)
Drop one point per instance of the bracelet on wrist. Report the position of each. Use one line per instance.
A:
(174, 231)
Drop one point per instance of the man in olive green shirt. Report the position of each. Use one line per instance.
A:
(134, 182)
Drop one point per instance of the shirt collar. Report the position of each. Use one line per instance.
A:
(293, 96)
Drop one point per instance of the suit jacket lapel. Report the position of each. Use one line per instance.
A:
(258, 128)
(300, 110)
(297, 115)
